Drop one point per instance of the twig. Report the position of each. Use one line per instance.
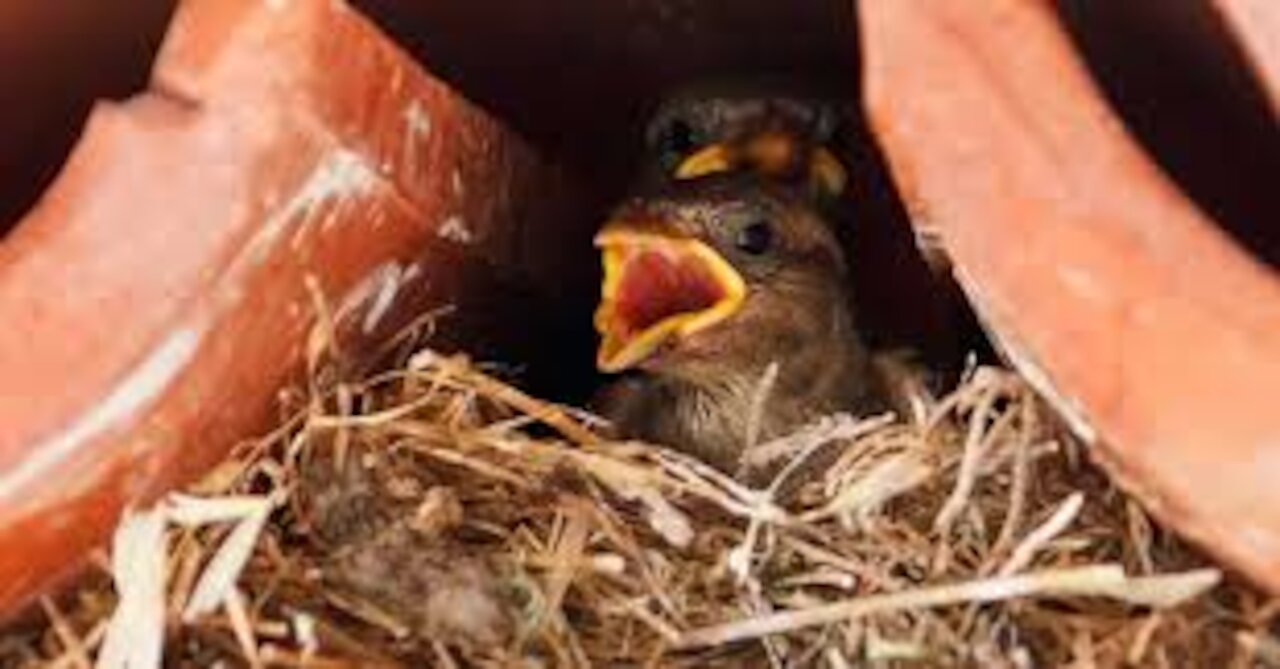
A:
(1025, 552)
(1107, 580)
(75, 653)
(1018, 488)
(238, 616)
(967, 476)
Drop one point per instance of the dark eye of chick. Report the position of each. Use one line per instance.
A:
(678, 138)
(755, 238)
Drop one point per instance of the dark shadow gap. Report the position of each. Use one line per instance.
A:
(59, 59)
(1185, 89)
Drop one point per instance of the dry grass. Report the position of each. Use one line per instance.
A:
(436, 516)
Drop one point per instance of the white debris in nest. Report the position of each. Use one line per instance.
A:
(139, 566)
(218, 581)
(139, 556)
(455, 229)
(304, 631)
(190, 511)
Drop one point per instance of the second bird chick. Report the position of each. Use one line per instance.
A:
(709, 282)
(727, 129)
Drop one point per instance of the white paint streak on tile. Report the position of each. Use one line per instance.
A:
(412, 272)
(382, 300)
(396, 81)
(139, 389)
(417, 131)
(418, 121)
(1261, 540)
(1084, 284)
(373, 296)
(455, 229)
(359, 295)
(341, 174)
(344, 175)
(455, 182)
(142, 386)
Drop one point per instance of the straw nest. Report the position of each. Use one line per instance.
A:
(437, 516)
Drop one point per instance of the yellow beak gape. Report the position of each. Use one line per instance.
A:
(635, 261)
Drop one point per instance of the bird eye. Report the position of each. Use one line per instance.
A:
(678, 138)
(755, 238)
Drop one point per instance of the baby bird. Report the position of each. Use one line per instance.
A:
(726, 128)
(708, 282)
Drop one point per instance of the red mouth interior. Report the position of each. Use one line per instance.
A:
(657, 285)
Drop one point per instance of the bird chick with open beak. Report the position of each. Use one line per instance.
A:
(708, 283)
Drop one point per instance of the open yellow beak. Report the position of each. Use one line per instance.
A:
(658, 287)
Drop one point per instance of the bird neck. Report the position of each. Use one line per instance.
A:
(832, 377)
(827, 375)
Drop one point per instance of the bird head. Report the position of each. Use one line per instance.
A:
(724, 271)
(779, 137)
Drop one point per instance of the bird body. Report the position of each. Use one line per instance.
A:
(712, 417)
(761, 281)
(727, 301)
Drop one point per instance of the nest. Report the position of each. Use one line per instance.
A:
(438, 516)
